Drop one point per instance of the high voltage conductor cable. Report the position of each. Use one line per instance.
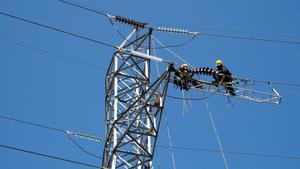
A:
(57, 30)
(270, 82)
(250, 38)
(69, 133)
(130, 21)
(121, 19)
(82, 6)
(136, 24)
(49, 53)
(184, 98)
(231, 152)
(185, 31)
(98, 139)
(33, 124)
(76, 134)
(82, 149)
(285, 84)
(48, 156)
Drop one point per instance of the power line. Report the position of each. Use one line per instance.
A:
(85, 7)
(48, 156)
(279, 83)
(33, 124)
(183, 98)
(268, 82)
(232, 152)
(82, 149)
(50, 53)
(250, 38)
(82, 6)
(53, 129)
(101, 68)
(242, 79)
(57, 30)
(167, 146)
(287, 84)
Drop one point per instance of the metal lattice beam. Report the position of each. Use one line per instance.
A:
(133, 105)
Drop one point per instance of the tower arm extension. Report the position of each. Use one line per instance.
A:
(244, 89)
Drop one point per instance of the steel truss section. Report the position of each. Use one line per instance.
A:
(244, 89)
(244, 92)
(133, 105)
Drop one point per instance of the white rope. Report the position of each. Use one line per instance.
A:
(170, 142)
(169, 50)
(216, 133)
(184, 107)
(207, 106)
(156, 63)
(167, 124)
(158, 161)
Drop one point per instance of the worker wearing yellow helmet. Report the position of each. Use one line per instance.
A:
(219, 63)
(224, 75)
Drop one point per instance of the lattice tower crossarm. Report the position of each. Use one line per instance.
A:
(133, 106)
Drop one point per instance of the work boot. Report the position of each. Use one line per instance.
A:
(232, 93)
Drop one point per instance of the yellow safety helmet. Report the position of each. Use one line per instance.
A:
(219, 62)
(184, 65)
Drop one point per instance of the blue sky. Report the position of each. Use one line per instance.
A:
(53, 91)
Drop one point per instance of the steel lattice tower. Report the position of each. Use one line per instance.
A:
(133, 104)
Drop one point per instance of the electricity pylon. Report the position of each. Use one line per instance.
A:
(133, 104)
(134, 101)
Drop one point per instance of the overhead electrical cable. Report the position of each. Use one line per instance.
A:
(57, 30)
(48, 156)
(50, 53)
(232, 152)
(174, 146)
(184, 98)
(69, 134)
(32, 124)
(82, 149)
(250, 38)
(274, 83)
(110, 17)
(85, 7)
(285, 84)
(243, 79)
(101, 68)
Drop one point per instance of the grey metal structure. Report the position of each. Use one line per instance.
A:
(133, 104)
(245, 90)
(134, 101)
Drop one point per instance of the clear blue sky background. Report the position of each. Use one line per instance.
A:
(53, 91)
